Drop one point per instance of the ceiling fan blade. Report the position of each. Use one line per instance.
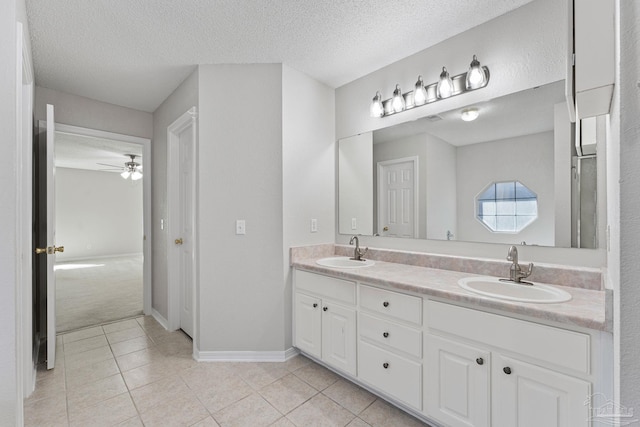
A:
(114, 170)
(113, 166)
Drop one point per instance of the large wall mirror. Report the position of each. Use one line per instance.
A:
(513, 175)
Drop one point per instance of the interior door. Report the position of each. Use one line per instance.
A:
(397, 198)
(186, 230)
(45, 243)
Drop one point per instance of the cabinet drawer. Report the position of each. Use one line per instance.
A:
(337, 289)
(394, 304)
(400, 337)
(401, 378)
(554, 345)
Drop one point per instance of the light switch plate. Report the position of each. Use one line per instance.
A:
(314, 225)
(354, 224)
(241, 227)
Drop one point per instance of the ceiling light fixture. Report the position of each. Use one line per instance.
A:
(469, 114)
(132, 169)
(476, 78)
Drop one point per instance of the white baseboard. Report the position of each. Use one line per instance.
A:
(245, 356)
(160, 319)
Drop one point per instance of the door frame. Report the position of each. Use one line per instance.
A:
(416, 206)
(146, 197)
(189, 118)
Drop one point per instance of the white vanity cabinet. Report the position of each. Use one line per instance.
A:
(325, 319)
(521, 374)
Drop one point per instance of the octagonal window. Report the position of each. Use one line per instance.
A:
(506, 207)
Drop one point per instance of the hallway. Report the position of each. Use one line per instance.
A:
(134, 373)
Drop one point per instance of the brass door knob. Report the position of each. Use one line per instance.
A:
(41, 251)
(178, 241)
(385, 228)
(58, 249)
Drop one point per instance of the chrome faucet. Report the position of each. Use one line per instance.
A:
(516, 273)
(357, 252)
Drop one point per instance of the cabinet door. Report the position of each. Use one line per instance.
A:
(456, 382)
(308, 324)
(526, 395)
(339, 337)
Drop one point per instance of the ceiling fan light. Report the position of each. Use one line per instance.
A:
(444, 89)
(125, 174)
(136, 175)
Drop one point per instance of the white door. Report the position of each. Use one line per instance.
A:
(308, 324)
(456, 382)
(185, 251)
(526, 395)
(397, 198)
(339, 337)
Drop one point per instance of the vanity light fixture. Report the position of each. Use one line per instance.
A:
(476, 78)
(376, 109)
(398, 103)
(420, 93)
(469, 114)
(445, 85)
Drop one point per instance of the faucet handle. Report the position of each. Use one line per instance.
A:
(363, 252)
(528, 272)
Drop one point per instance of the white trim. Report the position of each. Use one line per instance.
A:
(416, 193)
(188, 119)
(160, 318)
(74, 259)
(245, 356)
(146, 196)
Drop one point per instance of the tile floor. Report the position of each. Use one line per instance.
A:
(135, 373)
(95, 291)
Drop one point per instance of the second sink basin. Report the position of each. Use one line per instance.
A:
(344, 262)
(495, 288)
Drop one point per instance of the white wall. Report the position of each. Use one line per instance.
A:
(502, 161)
(182, 99)
(308, 169)
(441, 189)
(88, 113)
(563, 150)
(97, 214)
(240, 177)
(355, 198)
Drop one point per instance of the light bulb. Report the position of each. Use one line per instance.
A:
(476, 77)
(420, 93)
(469, 114)
(125, 174)
(445, 85)
(136, 175)
(397, 102)
(376, 109)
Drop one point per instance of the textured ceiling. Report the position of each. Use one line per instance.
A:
(134, 53)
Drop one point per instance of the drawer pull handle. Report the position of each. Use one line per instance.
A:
(315, 304)
(385, 365)
(386, 303)
(507, 370)
(325, 308)
(480, 361)
(385, 334)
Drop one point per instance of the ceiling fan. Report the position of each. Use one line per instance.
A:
(132, 169)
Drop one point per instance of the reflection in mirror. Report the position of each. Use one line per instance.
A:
(427, 176)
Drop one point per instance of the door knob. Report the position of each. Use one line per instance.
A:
(385, 228)
(178, 241)
(41, 251)
(58, 249)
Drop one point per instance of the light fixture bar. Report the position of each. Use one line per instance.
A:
(459, 87)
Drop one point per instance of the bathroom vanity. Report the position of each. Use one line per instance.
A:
(411, 335)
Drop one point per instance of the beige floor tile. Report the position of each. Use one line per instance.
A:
(382, 414)
(106, 413)
(283, 422)
(92, 393)
(204, 374)
(139, 358)
(207, 422)
(349, 396)
(147, 374)
(287, 393)
(120, 326)
(84, 345)
(358, 423)
(176, 342)
(48, 385)
(258, 375)
(221, 393)
(159, 392)
(317, 376)
(253, 411)
(182, 410)
(80, 360)
(82, 334)
(132, 422)
(124, 335)
(77, 378)
(320, 411)
(51, 411)
(129, 346)
(297, 362)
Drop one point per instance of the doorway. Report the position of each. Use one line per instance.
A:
(103, 220)
(398, 197)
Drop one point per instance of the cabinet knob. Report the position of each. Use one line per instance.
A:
(385, 334)
(315, 304)
(386, 303)
(385, 365)
(325, 308)
(480, 361)
(507, 370)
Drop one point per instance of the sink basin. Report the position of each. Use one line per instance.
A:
(495, 288)
(344, 262)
